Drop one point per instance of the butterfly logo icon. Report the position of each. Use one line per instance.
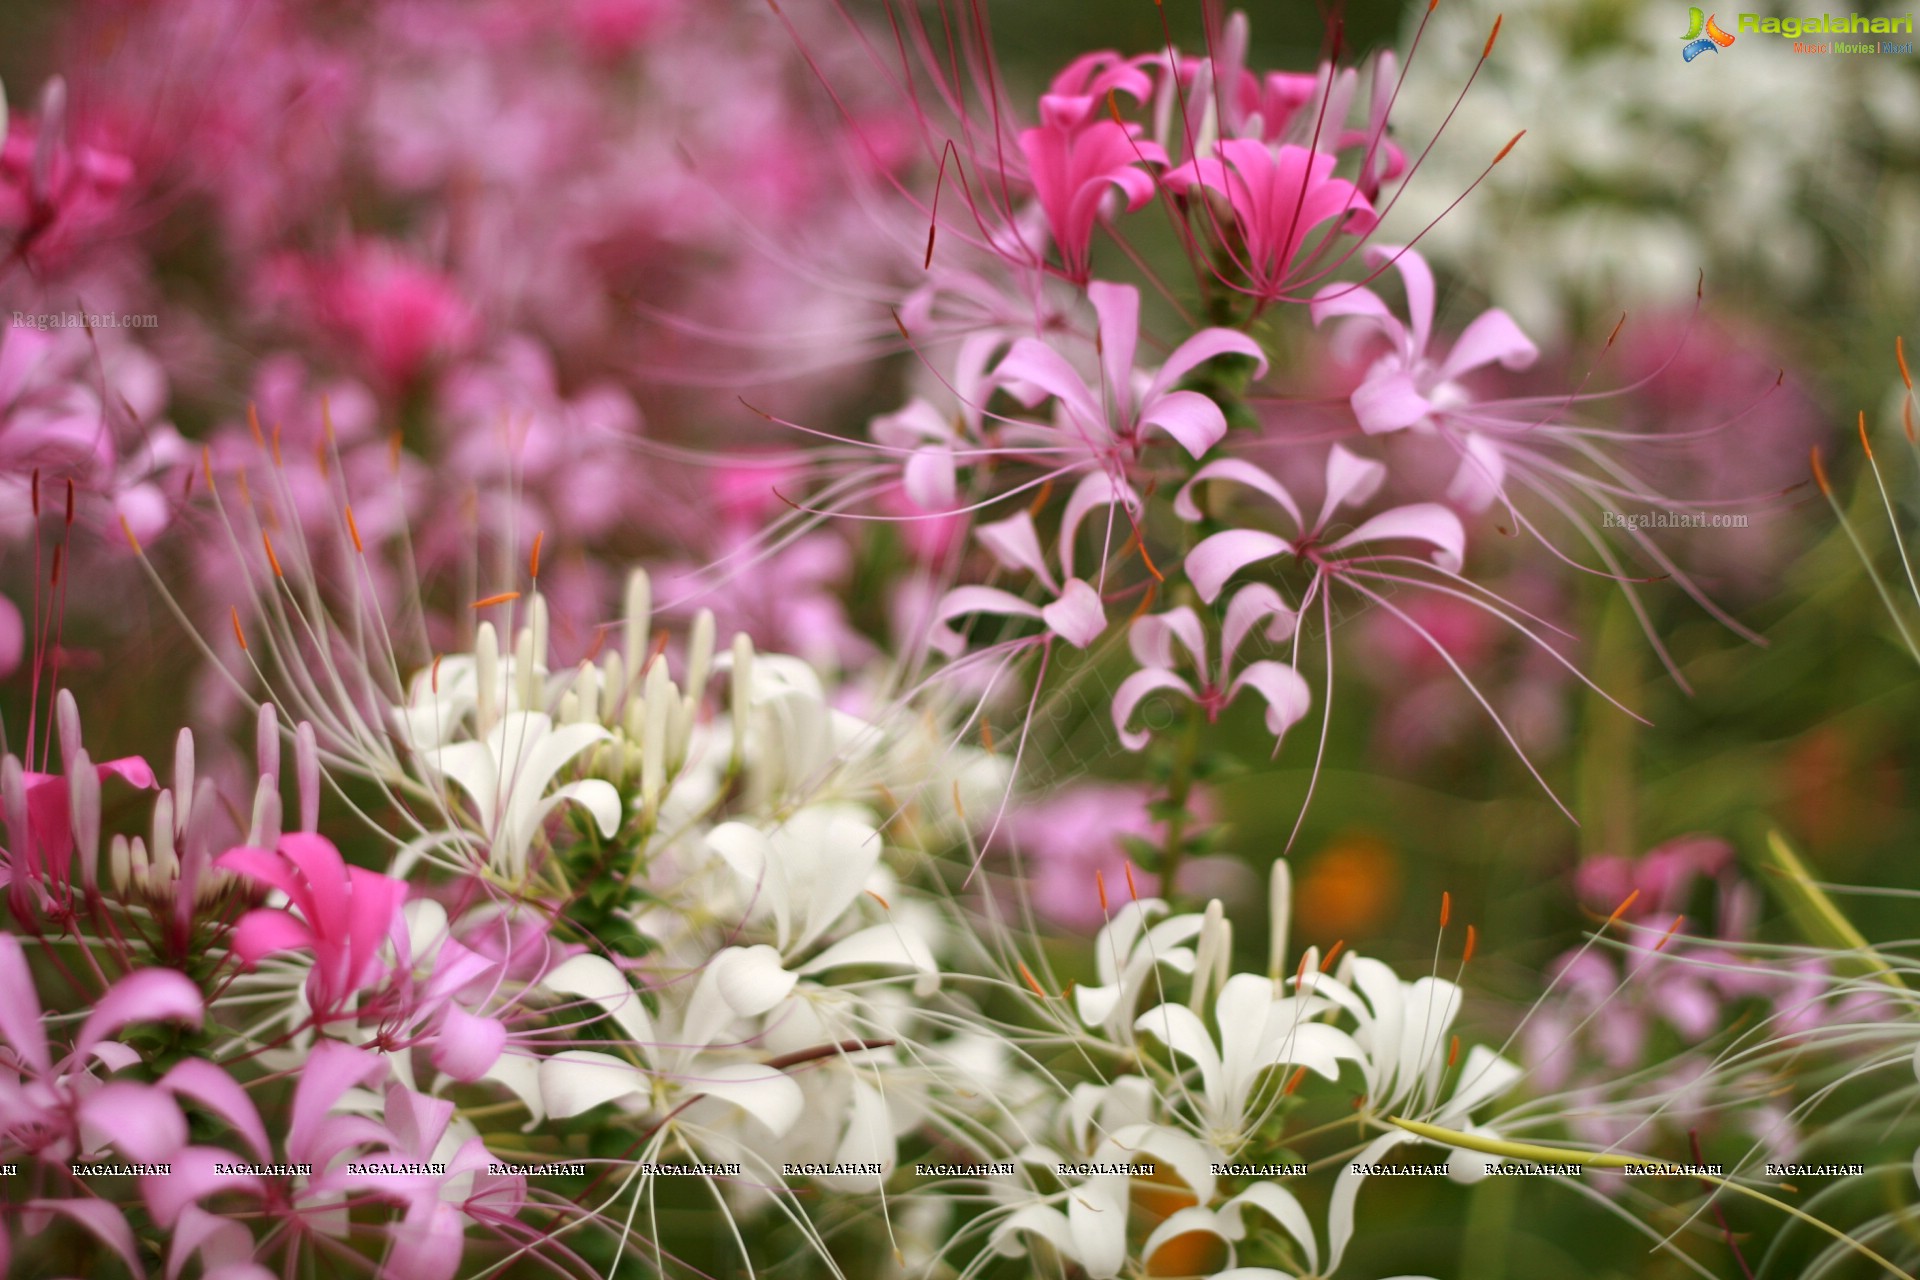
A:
(1703, 36)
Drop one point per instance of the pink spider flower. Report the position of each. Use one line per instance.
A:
(329, 1139)
(938, 446)
(1075, 157)
(1075, 613)
(395, 315)
(1108, 418)
(1406, 388)
(57, 1109)
(1162, 642)
(1279, 197)
(341, 915)
(1351, 480)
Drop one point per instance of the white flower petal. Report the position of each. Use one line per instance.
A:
(578, 1080)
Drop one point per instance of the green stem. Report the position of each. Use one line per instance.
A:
(1179, 796)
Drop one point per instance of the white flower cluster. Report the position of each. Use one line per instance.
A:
(1640, 169)
(1209, 1109)
(769, 1015)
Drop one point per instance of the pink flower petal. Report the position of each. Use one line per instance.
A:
(468, 1046)
(1077, 616)
(1218, 558)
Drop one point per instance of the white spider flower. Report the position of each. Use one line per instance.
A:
(686, 1055)
(1126, 953)
(1260, 1029)
(509, 778)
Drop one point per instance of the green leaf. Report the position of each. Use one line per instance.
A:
(1819, 919)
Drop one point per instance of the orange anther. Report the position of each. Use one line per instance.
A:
(1491, 37)
(1473, 940)
(1671, 930)
(1032, 983)
(353, 531)
(1511, 142)
(502, 598)
(1446, 908)
(1333, 952)
(237, 633)
(1820, 471)
(1625, 902)
(533, 560)
(266, 541)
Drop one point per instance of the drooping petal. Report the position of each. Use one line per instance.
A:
(147, 995)
(1346, 1190)
(1251, 604)
(1206, 345)
(1180, 1029)
(1031, 372)
(769, 1096)
(576, 1081)
(1279, 1204)
(102, 1220)
(1492, 336)
(1016, 545)
(1239, 471)
(1151, 639)
(962, 601)
(141, 1122)
(1427, 522)
(930, 479)
(881, 944)
(1077, 616)
(1285, 690)
(1193, 420)
(1219, 557)
(594, 978)
(1481, 475)
(200, 1081)
(1132, 692)
(1097, 489)
(20, 1007)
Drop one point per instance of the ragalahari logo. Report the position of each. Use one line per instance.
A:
(1703, 36)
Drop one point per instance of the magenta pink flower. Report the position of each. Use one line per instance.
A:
(1279, 197)
(55, 195)
(393, 314)
(1075, 158)
(341, 915)
(1108, 419)
(1162, 642)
